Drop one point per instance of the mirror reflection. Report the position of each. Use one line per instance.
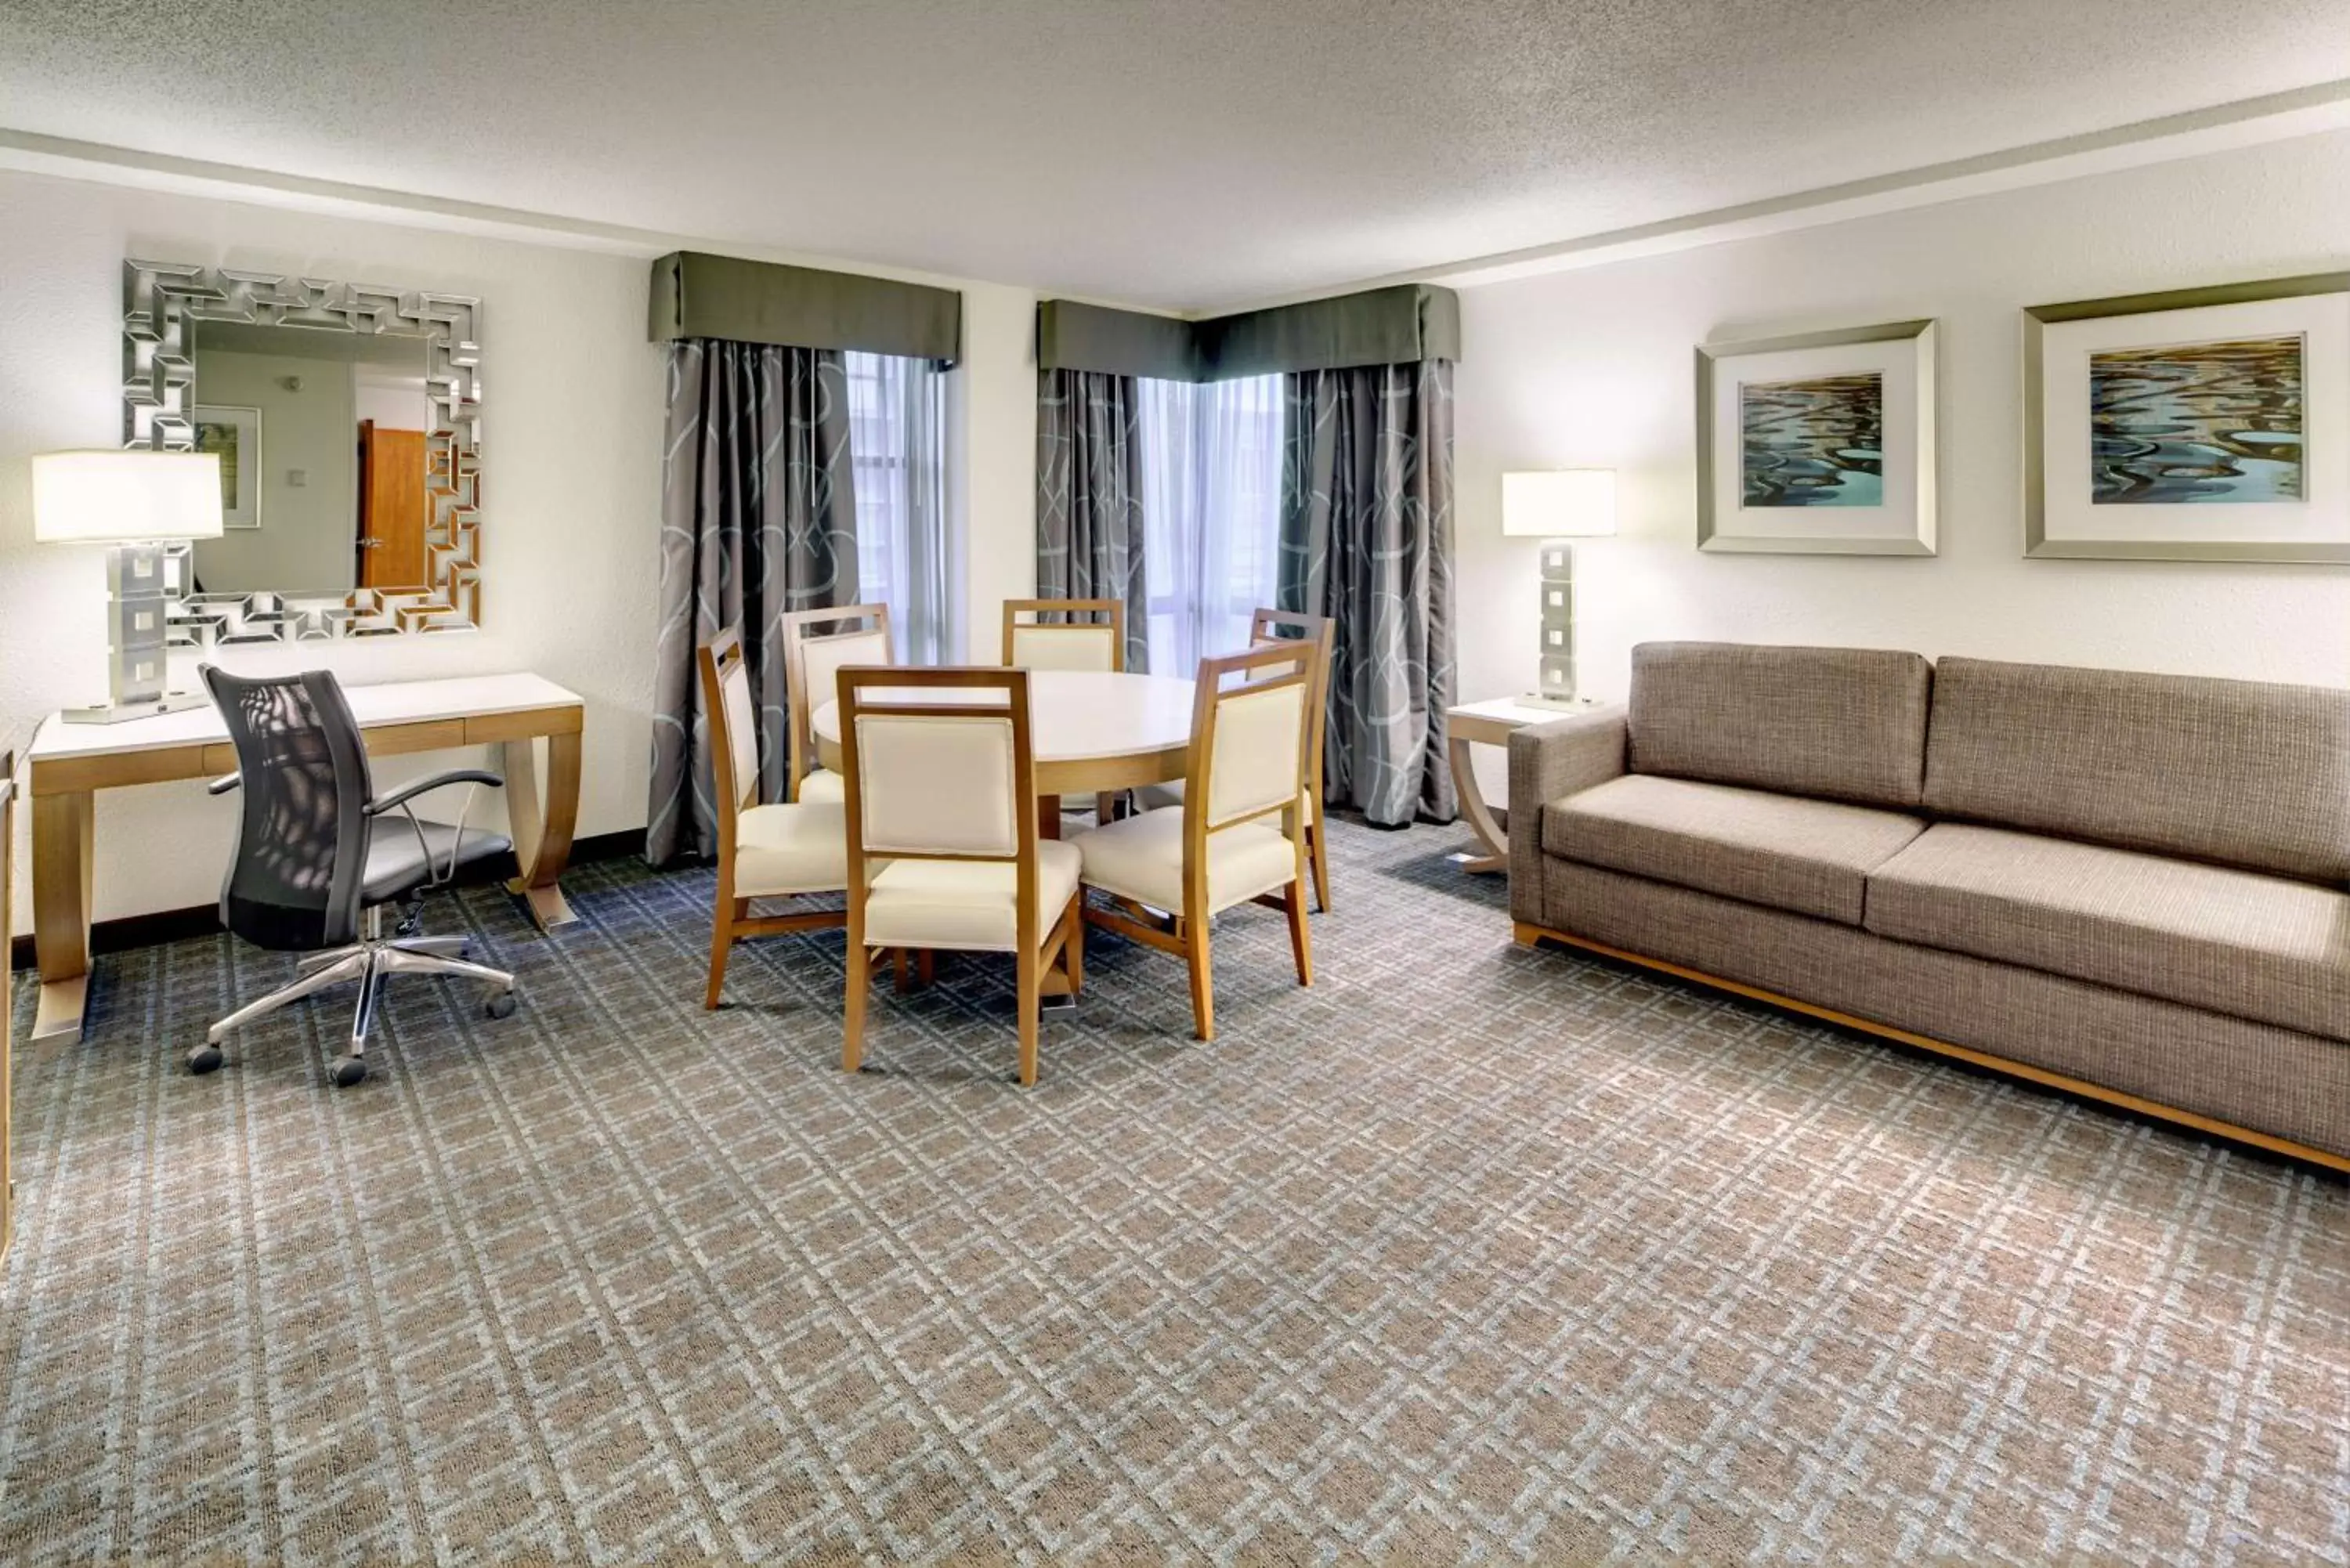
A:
(321, 438)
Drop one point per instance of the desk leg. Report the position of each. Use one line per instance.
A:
(1493, 831)
(62, 826)
(543, 823)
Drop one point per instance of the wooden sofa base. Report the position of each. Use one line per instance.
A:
(1529, 934)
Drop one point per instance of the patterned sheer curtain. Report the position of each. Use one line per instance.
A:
(758, 517)
(897, 441)
(1212, 459)
(1366, 539)
(1089, 502)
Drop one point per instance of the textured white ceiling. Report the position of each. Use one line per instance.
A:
(1184, 154)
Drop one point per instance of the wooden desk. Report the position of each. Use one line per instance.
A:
(70, 762)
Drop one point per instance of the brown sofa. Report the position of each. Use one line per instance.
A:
(2135, 886)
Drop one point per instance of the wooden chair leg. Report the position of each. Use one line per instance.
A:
(926, 968)
(1317, 848)
(1031, 994)
(860, 978)
(1073, 952)
(721, 944)
(1203, 999)
(1301, 945)
(902, 969)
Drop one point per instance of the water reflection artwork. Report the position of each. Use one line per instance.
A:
(1819, 441)
(2197, 421)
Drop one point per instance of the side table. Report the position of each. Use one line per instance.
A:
(1491, 724)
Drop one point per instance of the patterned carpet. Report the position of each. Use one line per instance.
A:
(1467, 1251)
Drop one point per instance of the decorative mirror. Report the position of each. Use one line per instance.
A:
(348, 422)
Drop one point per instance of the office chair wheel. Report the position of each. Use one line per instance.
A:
(499, 1005)
(350, 1071)
(204, 1059)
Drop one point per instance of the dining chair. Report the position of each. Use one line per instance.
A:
(1097, 642)
(1317, 631)
(944, 849)
(1170, 871)
(857, 634)
(763, 851)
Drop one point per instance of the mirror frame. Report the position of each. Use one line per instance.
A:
(161, 301)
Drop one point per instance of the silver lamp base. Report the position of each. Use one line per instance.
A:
(137, 611)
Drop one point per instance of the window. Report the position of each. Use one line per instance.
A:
(897, 445)
(1211, 511)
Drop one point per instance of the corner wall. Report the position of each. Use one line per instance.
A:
(572, 412)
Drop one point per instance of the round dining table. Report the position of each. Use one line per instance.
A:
(1091, 731)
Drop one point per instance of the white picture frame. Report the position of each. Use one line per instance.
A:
(2146, 424)
(1783, 466)
(235, 434)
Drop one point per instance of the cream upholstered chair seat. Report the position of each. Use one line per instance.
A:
(1239, 835)
(786, 849)
(1141, 859)
(823, 787)
(964, 905)
(763, 851)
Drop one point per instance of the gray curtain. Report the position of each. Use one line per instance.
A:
(1366, 539)
(1089, 497)
(758, 518)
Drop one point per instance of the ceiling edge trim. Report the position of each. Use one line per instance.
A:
(2248, 122)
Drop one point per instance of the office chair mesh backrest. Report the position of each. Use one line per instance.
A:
(295, 879)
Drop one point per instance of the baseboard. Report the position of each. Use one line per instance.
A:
(1529, 934)
(133, 931)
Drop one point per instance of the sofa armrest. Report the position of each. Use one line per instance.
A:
(1547, 761)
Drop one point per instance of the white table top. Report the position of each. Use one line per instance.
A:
(391, 702)
(1517, 710)
(1074, 715)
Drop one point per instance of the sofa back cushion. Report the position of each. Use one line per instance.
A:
(2239, 772)
(1841, 724)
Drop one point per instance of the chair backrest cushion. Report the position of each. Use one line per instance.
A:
(1065, 648)
(1839, 724)
(933, 785)
(1253, 759)
(738, 717)
(297, 872)
(2243, 773)
(822, 660)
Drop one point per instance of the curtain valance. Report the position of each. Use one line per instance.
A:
(738, 301)
(1401, 325)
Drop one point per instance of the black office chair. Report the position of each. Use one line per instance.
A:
(317, 860)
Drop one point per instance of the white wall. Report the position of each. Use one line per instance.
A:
(572, 422)
(1594, 369)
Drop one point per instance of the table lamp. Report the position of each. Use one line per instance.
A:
(1569, 503)
(135, 503)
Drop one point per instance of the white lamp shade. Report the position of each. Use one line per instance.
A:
(1566, 504)
(125, 497)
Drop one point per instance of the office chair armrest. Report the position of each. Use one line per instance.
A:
(408, 792)
(224, 784)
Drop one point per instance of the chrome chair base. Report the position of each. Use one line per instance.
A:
(369, 961)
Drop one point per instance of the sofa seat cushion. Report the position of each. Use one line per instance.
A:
(2243, 943)
(1811, 857)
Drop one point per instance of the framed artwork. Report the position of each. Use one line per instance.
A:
(1818, 445)
(2199, 424)
(233, 435)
